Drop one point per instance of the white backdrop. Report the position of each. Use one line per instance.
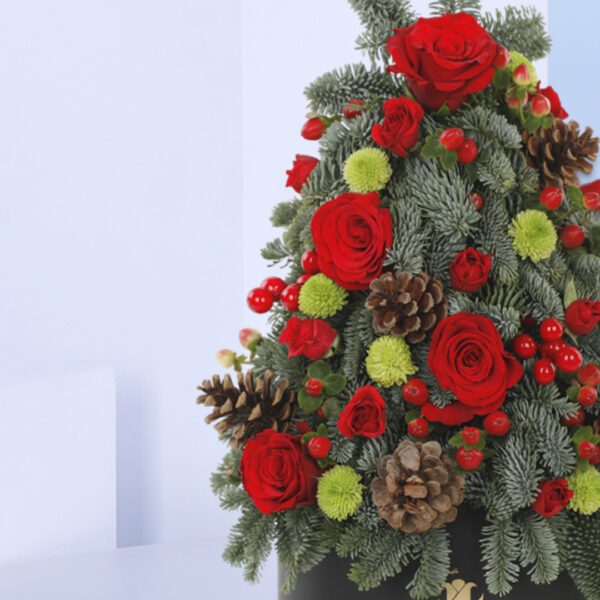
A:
(143, 146)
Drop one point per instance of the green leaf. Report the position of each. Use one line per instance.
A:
(502, 79)
(532, 123)
(456, 440)
(570, 293)
(573, 391)
(307, 402)
(334, 384)
(595, 237)
(322, 430)
(319, 370)
(411, 415)
(575, 197)
(432, 147)
(583, 434)
(309, 435)
(448, 159)
(332, 408)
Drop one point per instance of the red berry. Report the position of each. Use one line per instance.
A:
(469, 460)
(529, 322)
(515, 102)
(314, 129)
(524, 346)
(290, 297)
(544, 371)
(260, 300)
(540, 106)
(591, 201)
(314, 387)
(352, 109)
(476, 200)
(502, 58)
(471, 436)
(321, 413)
(451, 139)
(303, 427)
(572, 236)
(310, 262)
(574, 420)
(415, 391)
(551, 349)
(418, 428)
(497, 424)
(319, 447)
(569, 360)
(588, 396)
(467, 152)
(589, 375)
(522, 76)
(275, 286)
(595, 460)
(551, 330)
(303, 278)
(586, 450)
(552, 198)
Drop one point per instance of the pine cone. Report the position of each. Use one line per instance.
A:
(560, 152)
(406, 305)
(417, 488)
(255, 405)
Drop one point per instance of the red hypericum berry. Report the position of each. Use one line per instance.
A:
(319, 447)
(314, 129)
(586, 450)
(572, 236)
(249, 338)
(591, 201)
(502, 58)
(524, 346)
(552, 198)
(589, 375)
(467, 152)
(451, 139)
(418, 428)
(352, 109)
(259, 300)
(415, 391)
(275, 286)
(540, 106)
(569, 360)
(321, 414)
(303, 278)
(310, 262)
(226, 358)
(515, 102)
(303, 427)
(497, 424)
(290, 297)
(471, 436)
(575, 419)
(314, 387)
(595, 460)
(522, 76)
(476, 200)
(469, 460)
(551, 330)
(551, 349)
(544, 371)
(588, 396)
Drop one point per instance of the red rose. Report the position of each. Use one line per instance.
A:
(312, 338)
(399, 131)
(277, 474)
(352, 234)
(301, 169)
(553, 498)
(364, 415)
(556, 107)
(582, 316)
(470, 270)
(444, 59)
(468, 358)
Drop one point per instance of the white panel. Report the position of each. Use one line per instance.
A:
(58, 468)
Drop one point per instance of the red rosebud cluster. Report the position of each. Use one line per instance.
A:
(553, 498)
(450, 147)
(582, 316)
(364, 415)
(399, 131)
(313, 338)
(470, 270)
(300, 171)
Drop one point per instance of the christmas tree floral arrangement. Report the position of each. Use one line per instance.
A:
(433, 346)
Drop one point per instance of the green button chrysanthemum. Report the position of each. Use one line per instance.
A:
(367, 170)
(320, 297)
(586, 492)
(340, 491)
(534, 235)
(517, 59)
(389, 361)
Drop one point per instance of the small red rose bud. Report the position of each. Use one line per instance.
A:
(551, 330)
(476, 200)
(574, 420)
(226, 358)
(572, 236)
(589, 375)
(515, 102)
(588, 396)
(502, 58)
(471, 436)
(291, 296)
(314, 387)
(540, 106)
(260, 300)
(544, 371)
(469, 460)
(467, 152)
(586, 450)
(319, 447)
(451, 139)
(522, 76)
(415, 391)
(418, 428)
(591, 201)
(249, 338)
(310, 262)
(552, 198)
(275, 286)
(497, 424)
(353, 109)
(314, 129)
(569, 360)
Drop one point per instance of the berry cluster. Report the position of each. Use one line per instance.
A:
(450, 147)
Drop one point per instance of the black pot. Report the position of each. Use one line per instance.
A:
(329, 580)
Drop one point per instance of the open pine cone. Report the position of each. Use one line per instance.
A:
(406, 305)
(560, 152)
(256, 404)
(417, 488)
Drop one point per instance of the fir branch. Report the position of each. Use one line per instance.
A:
(583, 564)
(496, 173)
(434, 565)
(284, 212)
(298, 236)
(441, 7)
(358, 336)
(545, 300)
(273, 356)
(275, 251)
(539, 549)
(500, 549)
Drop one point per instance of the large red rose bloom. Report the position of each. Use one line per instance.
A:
(444, 59)
(352, 234)
(277, 474)
(467, 357)
(399, 131)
